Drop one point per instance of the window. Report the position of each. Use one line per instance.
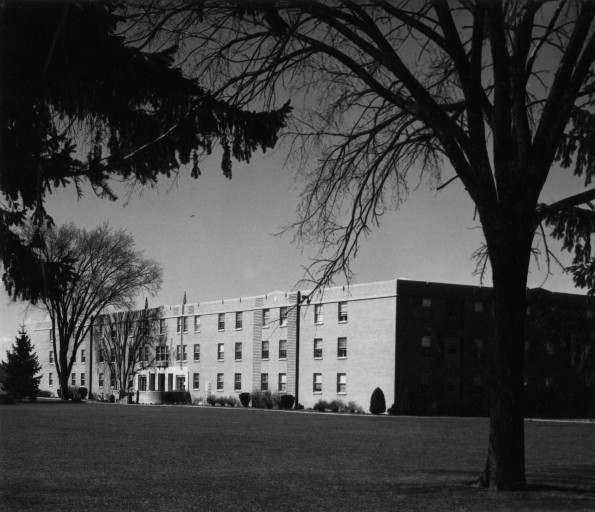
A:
(341, 347)
(549, 382)
(341, 383)
(151, 382)
(161, 353)
(282, 349)
(145, 351)
(101, 382)
(221, 322)
(589, 314)
(73, 379)
(237, 382)
(549, 349)
(112, 380)
(51, 357)
(239, 320)
(283, 317)
(112, 355)
(426, 303)
(478, 307)
(179, 325)
(318, 313)
(101, 356)
(264, 381)
(219, 382)
(184, 353)
(195, 381)
(282, 382)
(190, 310)
(426, 346)
(317, 383)
(317, 348)
(197, 323)
(221, 351)
(478, 342)
(142, 382)
(131, 354)
(176, 311)
(178, 352)
(185, 324)
(197, 352)
(162, 326)
(83, 379)
(51, 379)
(238, 351)
(266, 317)
(265, 350)
(83, 357)
(342, 312)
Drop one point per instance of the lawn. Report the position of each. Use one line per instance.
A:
(88, 456)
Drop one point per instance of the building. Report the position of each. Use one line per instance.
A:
(426, 345)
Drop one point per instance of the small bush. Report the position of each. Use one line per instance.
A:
(112, 399)
(321, 406)
(211, 400)
(245, 399)
(299, 407)
(263, 399)
(176, 397)
(286, 401)
(83, 391)
(354, 408)
(377, 402)
(45, 393)
(337, 406)
(392, 410)
(232, 401)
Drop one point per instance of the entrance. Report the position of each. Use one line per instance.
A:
(180, 383)
(161, 382)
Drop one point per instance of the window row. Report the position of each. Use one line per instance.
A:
(341, 348)
(428, 350)
(82, 354)
(341, 313)
(341, 383)
(82, 379)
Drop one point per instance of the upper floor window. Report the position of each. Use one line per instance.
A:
(185, 324)
(221, 351)
(317, 348)
(426, 346)
(342, 311)
(426, 303)
(52, 356)
(161, 353)
(112, 355)
(197, 352)
(341, 347)
(478, 307)
(83, 356)
(179, 325)
(239, 320)
(101, 356)
(221, 321)
(162, 326)
(283, 317)
(318, 318)
(282, 349)
(197, 323)
(265, 350)
(238, 352)
(266, 317)
(50, 379)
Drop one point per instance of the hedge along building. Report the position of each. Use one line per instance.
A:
(426, 345)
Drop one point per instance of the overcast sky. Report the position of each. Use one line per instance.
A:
(214, 237)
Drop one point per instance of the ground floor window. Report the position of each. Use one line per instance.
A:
(151, 382)
(73, 377)
(112, 380)
(317, 383)
(341, 382)
(237, 382)
(101, 382)
(142, 382)
(282, 382)
(219, 382)
(195, 381)
(51, 379)
(83, 379)
(264, 381)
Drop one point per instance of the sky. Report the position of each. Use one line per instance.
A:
(215, 237)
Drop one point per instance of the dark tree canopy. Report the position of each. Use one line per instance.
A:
(79, 104)
(20, 370)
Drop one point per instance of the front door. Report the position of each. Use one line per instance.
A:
(180, 383)
(161, 382)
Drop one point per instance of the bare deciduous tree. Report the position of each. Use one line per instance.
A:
(126, 340)
(110, 273)
(503, 91)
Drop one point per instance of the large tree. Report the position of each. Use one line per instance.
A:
(79, 103)
(110, 273)
(125, 342)
(501, 90)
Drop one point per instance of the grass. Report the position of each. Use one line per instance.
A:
(56, 456)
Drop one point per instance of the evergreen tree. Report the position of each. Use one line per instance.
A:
(20, 369)
(377, 402)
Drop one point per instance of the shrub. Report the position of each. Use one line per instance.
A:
(69, 394)
(336, 406)
(354, 408)
(392, 410)
(112, 399)
(211, 400)
(245, 399)
(263, 399)
(321, 406)
(299, 407)
(377, 402)
(45, 393)
(176, 397)
(83, 392)
(232, 401)
(286, 401)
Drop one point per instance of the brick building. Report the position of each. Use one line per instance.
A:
(426, 345)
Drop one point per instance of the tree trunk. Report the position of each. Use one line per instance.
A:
(509, 256)
(64, 387)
